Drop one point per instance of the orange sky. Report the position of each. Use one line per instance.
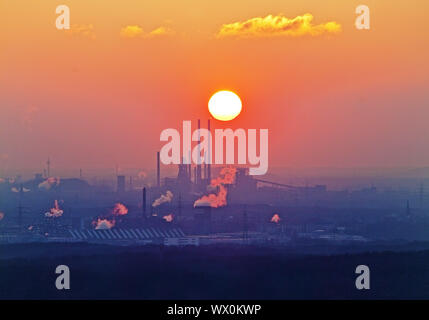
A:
(94, 98)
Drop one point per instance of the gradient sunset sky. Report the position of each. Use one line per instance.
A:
(101, 93)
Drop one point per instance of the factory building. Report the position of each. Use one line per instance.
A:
(147, 235)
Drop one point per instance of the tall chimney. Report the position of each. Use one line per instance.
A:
(120, 188)
(190, 166)
(179, 211)
(48, 164)
(144, 204)
(209, 166)
(158, 174)
(199, 155)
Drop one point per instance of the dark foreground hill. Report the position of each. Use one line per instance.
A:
(103, 272)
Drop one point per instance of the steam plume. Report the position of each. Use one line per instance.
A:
(215, 200)
(168, 218)
(163, 198)
(275, 218)
(109, 221)
(54, 212)
(119, 209)
(16, 190)
(103, 224)
(49, 183)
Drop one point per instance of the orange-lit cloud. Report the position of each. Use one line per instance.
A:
(131, 31)
(83, 30)
(136, 31)
(277, 26)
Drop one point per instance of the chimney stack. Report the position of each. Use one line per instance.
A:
(158, 174)
(179, 211)
(144, 204)
(120, 188)
(199, 155)
(209, 168)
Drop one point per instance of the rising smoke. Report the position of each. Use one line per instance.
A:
(167, 197)
(54, 212)
(103, 224)
(109, 221)
(119, 209)
(16, 190)
(216, 200)
(275, 218)
(49, 183)
(168, 218)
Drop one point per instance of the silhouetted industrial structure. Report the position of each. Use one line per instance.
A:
(121, 184)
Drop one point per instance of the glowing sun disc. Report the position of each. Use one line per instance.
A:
(225, 105)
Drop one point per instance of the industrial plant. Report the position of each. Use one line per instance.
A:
(200, 204)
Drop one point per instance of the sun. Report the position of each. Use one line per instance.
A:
(225, 105)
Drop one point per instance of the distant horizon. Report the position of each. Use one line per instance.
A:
(101, 93)
(171, 169)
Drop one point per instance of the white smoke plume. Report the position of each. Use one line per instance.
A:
(16, 190)
(163, 199)
(49, 183)
(275, 218)
(168, 218)
(109, 221)
(119, 209)
(142, 175)
(215, 200)
(54, 212)
(103, 224)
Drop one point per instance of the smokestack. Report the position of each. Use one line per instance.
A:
(144, 203)
(199, 155)
(120, 184)
(190, 167)
(179, 213)
(21, 191)
(209, 168)
(158, 168)
(48, 164)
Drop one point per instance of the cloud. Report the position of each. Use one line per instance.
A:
(131, 31)
(279, 25)
(136, 31)
(83, 30)
(161, 31)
